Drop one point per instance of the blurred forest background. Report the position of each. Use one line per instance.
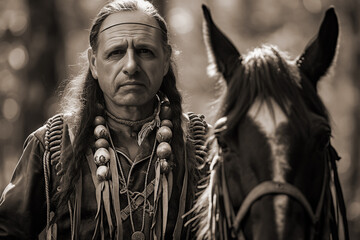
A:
(42, 41)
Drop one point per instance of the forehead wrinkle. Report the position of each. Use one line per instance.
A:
(128, 30)
(137, 37)
(140, 34)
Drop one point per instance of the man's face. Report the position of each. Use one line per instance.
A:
(130, 62)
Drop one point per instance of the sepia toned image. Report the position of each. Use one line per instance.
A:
(179, 119)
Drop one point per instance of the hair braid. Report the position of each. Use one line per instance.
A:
(83, 139)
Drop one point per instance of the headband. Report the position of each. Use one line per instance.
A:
(143, 24)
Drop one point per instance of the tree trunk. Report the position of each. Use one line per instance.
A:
(45, 44)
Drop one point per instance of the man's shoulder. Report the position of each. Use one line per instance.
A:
(55, 125)
(197, 125)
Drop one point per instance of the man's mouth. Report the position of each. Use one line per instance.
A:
(131, 84)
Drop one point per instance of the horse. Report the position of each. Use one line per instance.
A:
(272, 168)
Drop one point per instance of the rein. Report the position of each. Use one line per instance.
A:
(275, 188)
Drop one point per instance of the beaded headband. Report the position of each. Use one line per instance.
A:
(143, 24)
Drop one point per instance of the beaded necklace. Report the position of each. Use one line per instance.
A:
(163, 152)
(130, 123)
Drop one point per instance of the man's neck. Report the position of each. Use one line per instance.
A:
(132, 113)
(123, 134)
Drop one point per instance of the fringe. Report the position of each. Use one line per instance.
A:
(53, 139)
(107, 198)
(116, 197)
(162, 189)
(148, 127)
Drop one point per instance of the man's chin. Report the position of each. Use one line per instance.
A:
(133, 99)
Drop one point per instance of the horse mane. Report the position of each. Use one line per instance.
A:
(265, 72)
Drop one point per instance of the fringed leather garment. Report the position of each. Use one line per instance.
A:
(96, 211)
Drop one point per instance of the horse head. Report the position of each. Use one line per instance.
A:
(273, 137)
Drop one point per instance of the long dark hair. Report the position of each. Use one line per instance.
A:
(82, 93)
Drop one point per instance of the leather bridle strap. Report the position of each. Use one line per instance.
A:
(268, 188)
(272, 187)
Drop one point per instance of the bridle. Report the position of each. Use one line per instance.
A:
(234, 221)
(271, 188)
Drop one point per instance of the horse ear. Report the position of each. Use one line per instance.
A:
(222, 54)
(320, 51)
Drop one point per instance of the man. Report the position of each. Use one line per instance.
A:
(117, 162)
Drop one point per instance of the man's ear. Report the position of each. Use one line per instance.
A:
(167, 61)
(92, 63)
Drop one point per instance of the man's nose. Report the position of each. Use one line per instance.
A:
(131, 64)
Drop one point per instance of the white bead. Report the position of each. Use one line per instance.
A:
(101, 156)
(100, 131)
(102, 173)
(164, 134)
(163, 150)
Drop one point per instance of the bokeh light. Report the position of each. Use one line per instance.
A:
(8, 82)
(313, 6)
(18, 57)
(181, 20)
(227, 3)
(354, 210)
(18, 22)
(10, 109)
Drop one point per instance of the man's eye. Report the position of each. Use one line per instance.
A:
(117, 52)
(145, 52)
